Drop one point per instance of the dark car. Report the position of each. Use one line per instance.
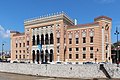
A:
(87, 62)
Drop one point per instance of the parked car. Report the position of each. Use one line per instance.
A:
(88, 63)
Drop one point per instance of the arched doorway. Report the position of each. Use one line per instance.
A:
(46, 56)
(42, 56)
(51, 55)
(33, 56)
(38, 56)
(42, 39)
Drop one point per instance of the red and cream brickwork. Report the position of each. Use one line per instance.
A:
(62, 41)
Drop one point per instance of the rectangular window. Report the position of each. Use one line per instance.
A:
(84, 48)
(23, 44)
(77, 40)
(16, 51)
(70, 56)
(23, 51)
(64, 40)
(84, 56)
(23, 56)
(20, 56)
(70, 41)
(77, 49)
(20, 51)
(91, 48)
(70, 49)
(77, 56)
(91, 55)
(16, 45)
(20, 44)
(27, 43)
(91, 39)
(84, 39)
(16, 56)
(58, 40)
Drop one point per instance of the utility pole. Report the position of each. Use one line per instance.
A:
(117, 33)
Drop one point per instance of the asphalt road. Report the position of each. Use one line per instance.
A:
(8, 76)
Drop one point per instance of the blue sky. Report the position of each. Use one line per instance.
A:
(14, 12)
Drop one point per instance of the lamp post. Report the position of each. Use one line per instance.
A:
(2, 50)
(117, 33)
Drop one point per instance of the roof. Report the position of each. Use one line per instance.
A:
(83, 25)
(100, 17)
(19, 34)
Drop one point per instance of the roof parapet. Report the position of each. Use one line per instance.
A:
(102, 18)
(47, 17)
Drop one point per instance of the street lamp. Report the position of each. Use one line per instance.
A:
(2, 50)
(116, 33)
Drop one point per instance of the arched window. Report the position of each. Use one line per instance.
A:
(42, 39)
(33, 40)
(46, 39)
(46, 55)
(38, 40)
(42, 56)
(33, 56)
(51, 38)
(51, 55)
(37, 56)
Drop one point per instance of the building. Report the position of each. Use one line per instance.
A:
(62, 41)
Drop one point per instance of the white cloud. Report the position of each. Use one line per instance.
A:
(4, 33)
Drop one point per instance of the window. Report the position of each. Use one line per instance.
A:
(77, 49)
(106, 47)
(46, 39)
(33, 40)
(84, 56)
(91, 39)
(70, 56)
(23, 56)
(84, 39)
(58, 40)
(70, 49)
(64, 40)
(27, 43)
(23, 51)
(91, 55)
(16, 45)
(51, 38)
(20, 56)
(106, 55)
(16, 56)
(91, 48)
(77, 40)
(77, 56)
(20, 44)
(16, 51)
(84, 48)
(23, 44)
(70, 41)
(20, 51)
